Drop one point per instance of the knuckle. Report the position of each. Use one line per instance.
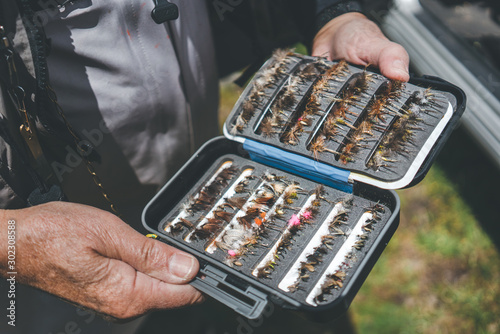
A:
(398, 49)
(152, 253)
(190, 297)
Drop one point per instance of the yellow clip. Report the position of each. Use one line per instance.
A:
(152, 236)
(31, 139)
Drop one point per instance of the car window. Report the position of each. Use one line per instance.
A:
(474, 22)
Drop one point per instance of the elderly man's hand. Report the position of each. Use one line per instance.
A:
(92, 258)
(358, 40)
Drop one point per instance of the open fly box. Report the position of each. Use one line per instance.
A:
(295, 206)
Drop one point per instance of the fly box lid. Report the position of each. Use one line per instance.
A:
(385, 133)
(293, 208)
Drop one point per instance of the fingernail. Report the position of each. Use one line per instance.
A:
(182, 265)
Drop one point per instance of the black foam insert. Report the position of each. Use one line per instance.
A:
(367, 87)
(273, 229)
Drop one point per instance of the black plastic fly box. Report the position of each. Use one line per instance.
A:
(295, 205)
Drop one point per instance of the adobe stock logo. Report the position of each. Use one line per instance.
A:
(73, 159)
(221, 7)
(247, 326)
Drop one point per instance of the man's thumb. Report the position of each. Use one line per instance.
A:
(152, 257)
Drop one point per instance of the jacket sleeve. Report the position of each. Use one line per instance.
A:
(323, 4)
(327, 10)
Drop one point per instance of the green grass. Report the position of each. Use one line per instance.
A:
(439, 273)
(229, 93)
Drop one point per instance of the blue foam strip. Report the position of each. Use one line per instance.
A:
(299, 165)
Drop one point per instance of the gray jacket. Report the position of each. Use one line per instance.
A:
(144, 95)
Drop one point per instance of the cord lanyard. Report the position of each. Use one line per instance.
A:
(18, 96)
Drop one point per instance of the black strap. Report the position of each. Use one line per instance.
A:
(37, 197)
(20, 86)
(45, 110)
(6, 174)
(39, 51)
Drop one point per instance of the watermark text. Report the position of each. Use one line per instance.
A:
(11, 274)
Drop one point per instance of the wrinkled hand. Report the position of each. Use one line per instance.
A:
(355, 38)
(92, 258)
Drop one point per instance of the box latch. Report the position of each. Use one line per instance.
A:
(245, 300)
